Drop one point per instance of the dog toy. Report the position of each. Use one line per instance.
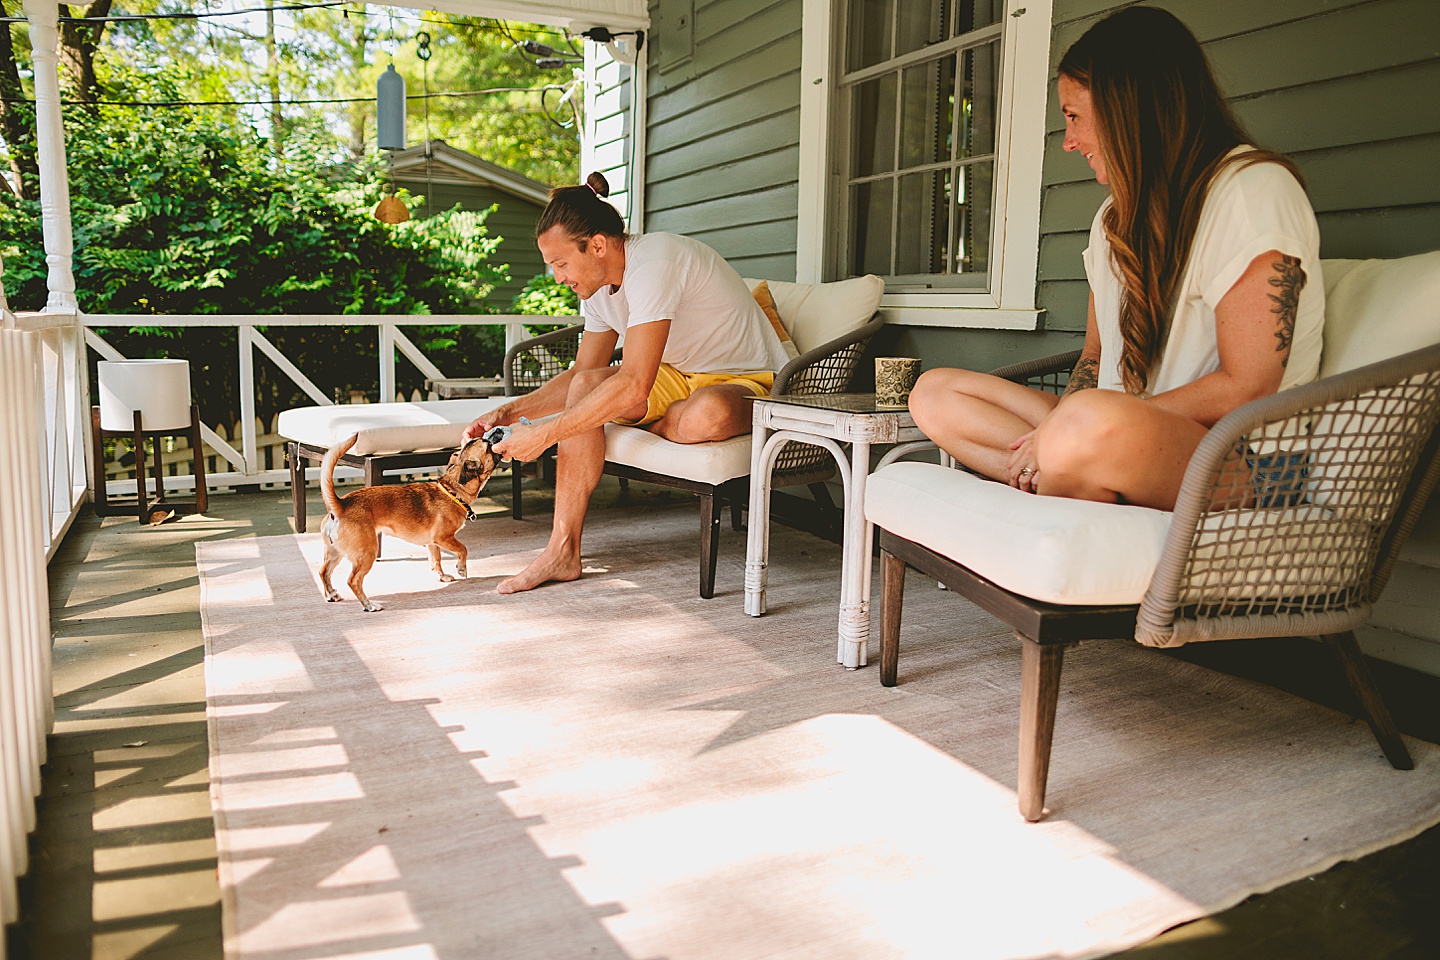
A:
(499, 434)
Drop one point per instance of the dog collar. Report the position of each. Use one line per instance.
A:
(470, 514)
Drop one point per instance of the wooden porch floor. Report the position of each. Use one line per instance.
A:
(123, 862)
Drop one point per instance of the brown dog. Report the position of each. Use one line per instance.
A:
(427, 514)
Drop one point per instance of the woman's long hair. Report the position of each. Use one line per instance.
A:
(1165, 131)
(582, 212)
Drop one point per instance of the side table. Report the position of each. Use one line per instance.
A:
(827, 421)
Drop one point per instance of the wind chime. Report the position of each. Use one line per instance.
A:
(390, 136)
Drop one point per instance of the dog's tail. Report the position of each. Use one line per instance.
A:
(327, 474)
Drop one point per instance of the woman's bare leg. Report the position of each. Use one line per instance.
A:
(1113, 447)
(975, 417)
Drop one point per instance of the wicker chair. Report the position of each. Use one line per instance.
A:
(1339, 470)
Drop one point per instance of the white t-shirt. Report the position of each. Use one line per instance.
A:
(715, 324)
(1247, 212)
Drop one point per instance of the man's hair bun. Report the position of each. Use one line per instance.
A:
(597, 182)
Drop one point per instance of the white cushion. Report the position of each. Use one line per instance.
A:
(1049, 548)
(713, 462)
(816, 313)
(1376, 309)
(386, 427)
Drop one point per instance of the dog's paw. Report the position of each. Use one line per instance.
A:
(446, 578)
(461, 572)
(370, 606)
(331, 596)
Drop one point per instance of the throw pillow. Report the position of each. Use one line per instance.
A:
(767, 303)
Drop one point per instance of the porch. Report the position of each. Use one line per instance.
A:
(124, 861)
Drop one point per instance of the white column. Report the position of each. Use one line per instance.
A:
(816, 53)
(50, 146)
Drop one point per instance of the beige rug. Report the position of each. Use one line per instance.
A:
(617, 769)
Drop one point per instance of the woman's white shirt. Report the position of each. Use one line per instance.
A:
(1247, 211)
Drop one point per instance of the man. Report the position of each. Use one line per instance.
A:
(696, 346)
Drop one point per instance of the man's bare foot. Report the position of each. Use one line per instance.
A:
(543, 569)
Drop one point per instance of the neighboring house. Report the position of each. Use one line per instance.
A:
(444, 176)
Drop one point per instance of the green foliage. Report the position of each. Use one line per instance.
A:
(545, 296)
(233, 209)
(180, 214)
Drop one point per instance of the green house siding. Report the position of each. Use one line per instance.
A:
(723, 128)
(513, 222)
(1343, 88)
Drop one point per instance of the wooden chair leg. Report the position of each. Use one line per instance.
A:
(142, 505)
(197, 454)
(709, 544)
(101, 500)
(297, 484)
(892, 598)
(1039, 692)
(516, 510)
(1372, 705)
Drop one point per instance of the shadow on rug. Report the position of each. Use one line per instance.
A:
(614, 768)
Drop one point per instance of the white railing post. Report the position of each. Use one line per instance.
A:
(50, 152)
(26, 706)
(248, 448)
(387, 362)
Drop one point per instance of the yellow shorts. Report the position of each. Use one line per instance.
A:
(672, 385)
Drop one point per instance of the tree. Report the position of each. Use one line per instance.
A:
(78, 43)
(17, 119)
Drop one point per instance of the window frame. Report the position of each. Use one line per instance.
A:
(1009, 301)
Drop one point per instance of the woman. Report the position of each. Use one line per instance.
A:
(1204, 274)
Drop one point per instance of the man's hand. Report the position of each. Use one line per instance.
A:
(526, 442)
(499, 417)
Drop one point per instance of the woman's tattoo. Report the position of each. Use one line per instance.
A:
(1288, 284)
(1085, 375)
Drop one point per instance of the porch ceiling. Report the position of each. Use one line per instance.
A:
(621, 14)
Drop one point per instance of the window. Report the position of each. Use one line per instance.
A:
(929, 119)
(919, 88)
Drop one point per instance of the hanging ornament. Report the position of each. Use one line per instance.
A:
(390, 110)
(392, 210)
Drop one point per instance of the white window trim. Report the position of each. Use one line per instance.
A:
(1019, 161)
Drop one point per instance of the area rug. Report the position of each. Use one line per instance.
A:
(615, 768)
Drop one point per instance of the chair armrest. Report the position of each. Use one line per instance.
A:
(1336, 473)
(829, 367)
(1047, 373)
(532, 362)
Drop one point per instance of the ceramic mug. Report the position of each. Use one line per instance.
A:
(894, 379)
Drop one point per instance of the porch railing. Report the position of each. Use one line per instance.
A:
(391, 344)
(41, 474)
